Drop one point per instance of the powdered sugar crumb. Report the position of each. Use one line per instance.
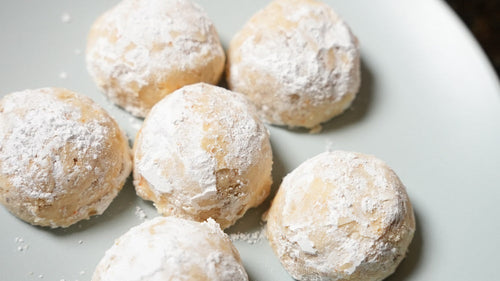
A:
(139, 212)
(329, 145)
(249, 237)
(66, 17)
(63, 75)
(135, 123)
(22, 246)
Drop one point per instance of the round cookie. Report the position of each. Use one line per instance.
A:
(341, 216)
(203, 152)
(141, 50)
(62, 157)
(172, 249)
(297, 61)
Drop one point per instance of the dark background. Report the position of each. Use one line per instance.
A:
(482, 17)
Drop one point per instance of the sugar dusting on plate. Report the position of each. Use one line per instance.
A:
(249, 237)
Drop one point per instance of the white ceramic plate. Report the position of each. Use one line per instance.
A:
(429, 106)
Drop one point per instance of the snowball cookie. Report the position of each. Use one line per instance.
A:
(341, 216)
(172, 249)
(142, 50)
(203, 152)
(297, 61)
(62, 157)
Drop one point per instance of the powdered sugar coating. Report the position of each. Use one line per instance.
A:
(142, 50)
(298, 61)
(341, 216)
(62, 158)
(203, 152)
(168, 248)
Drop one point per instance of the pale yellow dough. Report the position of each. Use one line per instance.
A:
(341, 216)
(172, 249)
(203, 152)
(142, 50)
(62, 157)
(298, 61)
